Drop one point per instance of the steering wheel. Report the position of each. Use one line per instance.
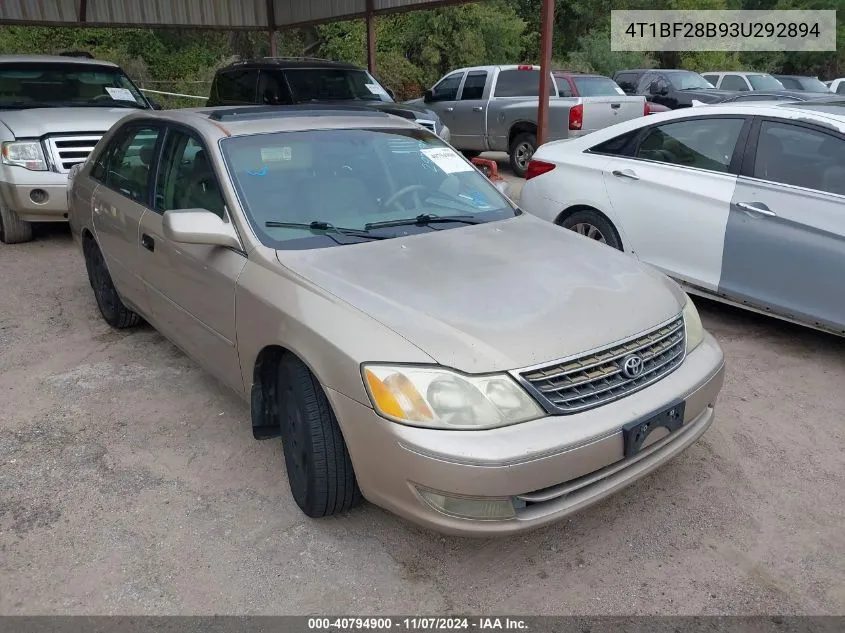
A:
(404, 191)
(102, 98)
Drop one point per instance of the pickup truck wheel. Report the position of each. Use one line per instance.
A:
(594, 226)
(319, 469)
(13, 230)
(470, 154)
(522, 149)
(114, 312)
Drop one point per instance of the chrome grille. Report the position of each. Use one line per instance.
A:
(597, 378)
(67, 151)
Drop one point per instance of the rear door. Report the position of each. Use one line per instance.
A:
(672, 191)
(470, 112)
(120, 201)
(191, 287)
(785, 238)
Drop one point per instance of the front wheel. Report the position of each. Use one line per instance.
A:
(319, 469)
(521, 151)
(13, 230)
(594, 226)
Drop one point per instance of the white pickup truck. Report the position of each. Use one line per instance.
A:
(494, 108)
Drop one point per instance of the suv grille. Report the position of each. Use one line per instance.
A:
(597, 378)
(67, 151)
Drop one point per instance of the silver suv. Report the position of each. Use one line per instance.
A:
(53, 111)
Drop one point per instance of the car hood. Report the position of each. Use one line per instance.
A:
(406, 111)
(495, 296)
(38, 122)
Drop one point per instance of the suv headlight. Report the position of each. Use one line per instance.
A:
(439, 398)
(26, 154)
(692, 323)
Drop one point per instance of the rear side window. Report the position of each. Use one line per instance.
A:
(618, 146)
(474, 86)
(733, 82)
(790, 83)
(520, 83)
(237, 86)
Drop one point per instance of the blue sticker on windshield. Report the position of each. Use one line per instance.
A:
(263, 172)
(477, 199)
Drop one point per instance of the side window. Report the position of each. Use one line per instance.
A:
(700, 143)
(447, 89)
(474, 86)
(796, 155)
(627, 81)
(237, 86)
(100, 167)
(713, 79)
(273, 89)
(840, 89)
(789, 83)
(563, 87)
(186, 179)
(616, 146)
(733, 82)
(520, 83)
(128, 168)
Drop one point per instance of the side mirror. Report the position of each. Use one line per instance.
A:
(198, 226)
(390, 93)
(155, 104)
(429, 96)
(654, 89)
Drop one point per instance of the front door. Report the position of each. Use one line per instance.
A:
(674, 191)
(785, 238)
(191, 287)
(119, 203)
(470, 115)
(444, 95)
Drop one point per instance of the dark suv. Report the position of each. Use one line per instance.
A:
(288, 81)
(672, 88)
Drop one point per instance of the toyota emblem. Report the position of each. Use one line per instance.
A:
(632, 366)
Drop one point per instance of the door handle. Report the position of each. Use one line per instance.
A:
(615, 106)
(478, 109)
(756, 208)
(450, 109)
(148, 242)
(625, 173)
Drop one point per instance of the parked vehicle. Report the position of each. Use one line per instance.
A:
(837, 86)
(742, 81)
(742, 203)
(411, 335)
(295, 80)
(775, 95)
(575, 84)
(670, 88)
(494, 108)
(800, 82)
(53, 110)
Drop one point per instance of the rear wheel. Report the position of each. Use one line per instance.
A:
(114, 312)
(13, 230)
(319, 469)
(470, 154)
(595, 226)
(521, 151)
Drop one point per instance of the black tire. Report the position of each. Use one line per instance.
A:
(594, 225)
(319, 469)
(114, 312)
(470, 154)
(13, 230)
(521, 150)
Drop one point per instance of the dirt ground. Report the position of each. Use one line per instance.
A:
(130, 484)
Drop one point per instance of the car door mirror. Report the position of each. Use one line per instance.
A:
(429, 96)
(390, 93)
(155, 104)
(654, 89)
(199, 226)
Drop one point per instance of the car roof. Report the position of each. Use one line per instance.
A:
(53, 59)
(830, 111)
(230, 121)
(290, 62)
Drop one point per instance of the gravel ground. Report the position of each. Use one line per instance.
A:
(130, 484)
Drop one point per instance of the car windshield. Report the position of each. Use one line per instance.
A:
(811, 84)
(40, 85)
(334, 84)
(764, 82)
(330, 181)
(688, 81)
(597, 87)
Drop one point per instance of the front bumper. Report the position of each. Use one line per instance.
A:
(36, 196)
(562, 463)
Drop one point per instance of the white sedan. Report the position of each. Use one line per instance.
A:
(743, 203)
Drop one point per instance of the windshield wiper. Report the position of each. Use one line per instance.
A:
(26, 105)
(422, 220)
(318, 225)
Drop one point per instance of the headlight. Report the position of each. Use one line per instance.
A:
(439, 398)
(692, 323)
(27, 154)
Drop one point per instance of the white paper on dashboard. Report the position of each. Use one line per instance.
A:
(376, 89)
(120, 94)
(447, 160)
